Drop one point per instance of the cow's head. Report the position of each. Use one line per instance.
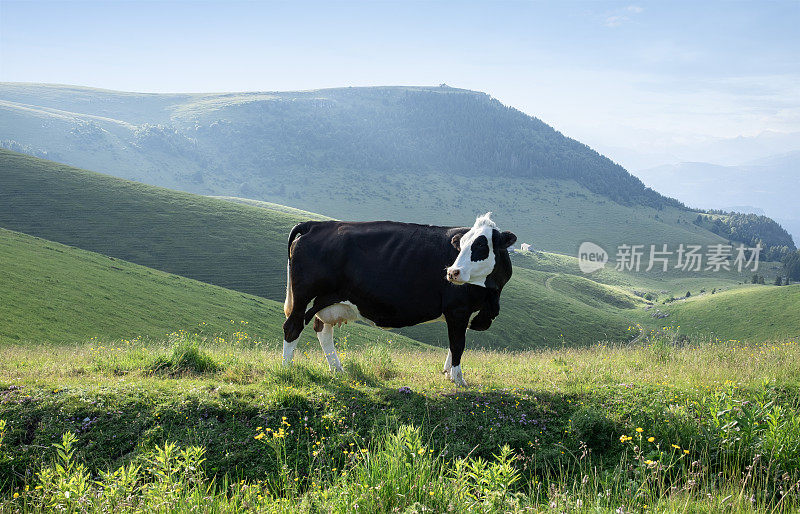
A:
(479, 250)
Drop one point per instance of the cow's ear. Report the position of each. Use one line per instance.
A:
(506, 239)
(456, 241)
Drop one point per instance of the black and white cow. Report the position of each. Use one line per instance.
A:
(394, 275)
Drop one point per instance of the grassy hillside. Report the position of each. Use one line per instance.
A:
(53, 293)
(753, 313)
(431, 155)
(272, 207)
(736, 310)
(553, 215)
(533, 315)
(243, 247)
(215, 241)
(240, 247)
(650, 427)
(659, 284)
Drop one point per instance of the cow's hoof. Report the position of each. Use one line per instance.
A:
(446, 373)
(457, 377)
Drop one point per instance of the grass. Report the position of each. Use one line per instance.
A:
(730, 409)
(55, 293)
(215, 241)
(219, 242)
(243, 247)
(750, 313)
(735, 311)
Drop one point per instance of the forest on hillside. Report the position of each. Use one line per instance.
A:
(750, 229)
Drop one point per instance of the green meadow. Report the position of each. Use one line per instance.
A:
(242, 246)
(58, 294)
(214, 241)
(217, 424)
(140, 371)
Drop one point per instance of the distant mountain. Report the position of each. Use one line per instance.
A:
(243, 137)
(429, 154)
(741, 150)
(734, 151)
(770, 185)
(786, 161)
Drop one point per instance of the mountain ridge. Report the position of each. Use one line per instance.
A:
(361, 153)
(404, 109)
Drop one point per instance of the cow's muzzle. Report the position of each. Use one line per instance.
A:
(455, 276)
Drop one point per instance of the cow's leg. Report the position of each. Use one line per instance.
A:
(457, 333)
(325, 336)
(448, 364)
(291, 330)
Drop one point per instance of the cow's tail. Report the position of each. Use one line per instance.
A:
(296, 231)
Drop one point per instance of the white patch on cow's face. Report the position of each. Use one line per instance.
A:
(476, 259)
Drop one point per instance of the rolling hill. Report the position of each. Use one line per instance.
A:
(237, 246)
(214, 241)
(53, 293)
(756, 313)
(424, 154)
(242, 247)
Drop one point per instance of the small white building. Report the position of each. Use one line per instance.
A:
(525, 247)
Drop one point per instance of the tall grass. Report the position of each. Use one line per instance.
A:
(400, 472)
(660, 425)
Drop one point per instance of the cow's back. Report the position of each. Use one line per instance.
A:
(393, 272)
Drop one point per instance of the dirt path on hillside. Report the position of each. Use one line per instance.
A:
(636, 339)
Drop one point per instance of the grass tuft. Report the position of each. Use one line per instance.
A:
(187, 358)
(714, 427)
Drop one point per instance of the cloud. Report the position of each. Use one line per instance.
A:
(622, 16)
(616, 21)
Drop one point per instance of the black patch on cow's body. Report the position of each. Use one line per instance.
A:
(394, 273)
(480, 249)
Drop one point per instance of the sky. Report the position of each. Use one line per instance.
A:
(627, 78)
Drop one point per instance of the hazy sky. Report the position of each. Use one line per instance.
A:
(644, 76)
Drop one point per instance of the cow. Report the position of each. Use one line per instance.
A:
(391, 275)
